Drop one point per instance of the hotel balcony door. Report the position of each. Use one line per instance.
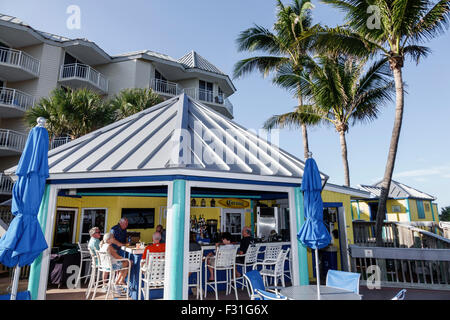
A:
(66, 221)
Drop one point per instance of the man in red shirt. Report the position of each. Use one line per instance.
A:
(155, 247)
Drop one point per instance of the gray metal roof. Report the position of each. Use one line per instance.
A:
(397, 190)
(194, 60)
(180, 133)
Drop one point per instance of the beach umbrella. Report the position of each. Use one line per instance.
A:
(313, 233)
(24, 240)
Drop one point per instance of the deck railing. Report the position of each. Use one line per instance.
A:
(164, 87)
(6, 184)
(59, 141)
(84, 72)
(16, 98)
(209, 96)
(5, 215)
(401, 234)
(12, 140)
(19, 59)
(402, 267)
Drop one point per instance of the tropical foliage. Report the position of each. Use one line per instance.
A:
(286, 51)
(343, 91)
(131, 101)
(396, 30)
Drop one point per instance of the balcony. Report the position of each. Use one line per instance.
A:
(14, 103)
(11, 142)
(164, 87)
(6, 185)
(59, 141)
(16, 65)
(78, 75)
(211, 98)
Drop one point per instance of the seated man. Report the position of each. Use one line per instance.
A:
(246, 240)
(226, 241)
(117, 261)
(94, 241)
(155, 247)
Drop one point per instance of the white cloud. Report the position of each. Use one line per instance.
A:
(443, 171)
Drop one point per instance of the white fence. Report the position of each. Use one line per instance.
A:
(209, 97)
(6, 184)
(12, 140)
(164, 87)
(20, 59)
(16, 98)
(84, 72)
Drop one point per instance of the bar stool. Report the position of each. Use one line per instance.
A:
(195, 266)
(250, 259)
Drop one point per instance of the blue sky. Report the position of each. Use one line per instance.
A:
(210, 27)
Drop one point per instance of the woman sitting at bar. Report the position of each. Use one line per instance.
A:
(226, 241)
(117, 261)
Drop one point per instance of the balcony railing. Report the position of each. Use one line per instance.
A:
(12, 140)
(19, 59)
(85, 73)
(59, 141)
(164, 87)
(15, 98)
(6, 184)
(209, 97)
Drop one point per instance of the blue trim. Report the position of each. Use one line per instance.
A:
(169, 178)
(408, 211)
(332, 204)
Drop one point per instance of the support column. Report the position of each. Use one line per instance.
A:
(302, 252)
(175, 225)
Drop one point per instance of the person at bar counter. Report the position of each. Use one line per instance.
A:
(160, 229)
(156, 246)
(119, 231)
(94, 241)
(226, 241)
(193, 245)
(117, 261)
(246, 241)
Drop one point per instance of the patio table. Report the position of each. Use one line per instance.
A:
(309, 292)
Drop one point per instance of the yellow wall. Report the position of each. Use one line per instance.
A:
(415, 214)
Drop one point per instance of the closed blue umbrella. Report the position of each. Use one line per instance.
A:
(24, 240)
(313, 233)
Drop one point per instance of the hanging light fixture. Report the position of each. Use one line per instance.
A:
(203, 203)
(213, 202)
(193, 203)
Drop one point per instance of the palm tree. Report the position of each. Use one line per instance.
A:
(71, 112)
(396, 29)
(343, 92)
(131, 101)
(287, 49)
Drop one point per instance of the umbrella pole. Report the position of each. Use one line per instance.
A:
(317, 274)
(15, 284)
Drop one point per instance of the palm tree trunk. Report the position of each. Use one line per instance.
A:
(304, 130)
(386, 184)
(344, 157)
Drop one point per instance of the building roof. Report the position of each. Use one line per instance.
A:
(181, 134)
(193, 60)
(397, 190)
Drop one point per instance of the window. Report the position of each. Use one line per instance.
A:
(159, 76)
(420, 209)
(396, 209)
(427, 206)
(92, 217)
(206, 91)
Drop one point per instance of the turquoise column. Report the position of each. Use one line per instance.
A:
(432, 211)
(302, 252)
(408, 211)
(351, 210)
(358, 210)
(35, 269)
(176, 234)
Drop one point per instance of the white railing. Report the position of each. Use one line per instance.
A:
(20, 59)
(15, 98)
(165, 87)
(5, 215)
(84, 72)
(12, 140)
(209, 96)
(6, 184)
(59, 141)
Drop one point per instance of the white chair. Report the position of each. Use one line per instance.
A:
(93, 272)
(271, 253)
(400, 295)
(289, 261)
(273, 269)
(151, 273)
(265, 295)
(85, 256)
(225, 259)
(195, 266)
(105, 265)
(250, 259)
